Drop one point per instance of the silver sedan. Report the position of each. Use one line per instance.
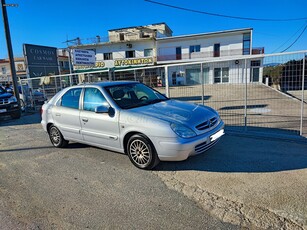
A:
(131, 118)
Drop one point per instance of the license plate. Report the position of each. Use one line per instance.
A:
(2, 110)
(217, 135)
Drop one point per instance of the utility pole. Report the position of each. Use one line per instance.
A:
(9, 48)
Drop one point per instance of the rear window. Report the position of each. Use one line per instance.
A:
(71, 98)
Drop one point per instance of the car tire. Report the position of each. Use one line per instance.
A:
(141, 152)
(56, 137)
(16, 115)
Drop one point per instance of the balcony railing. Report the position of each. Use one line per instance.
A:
(208, 54)
(197, 55)
(258, 50)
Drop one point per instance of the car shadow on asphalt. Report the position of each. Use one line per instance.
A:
(243, 154)
(69, 146)
(19, 150)
(27, 118)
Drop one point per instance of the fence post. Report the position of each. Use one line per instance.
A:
(166, 81)
(134, 73)
(302, 99)
(61, 83)
(202, 83)
(56, 85)
(245, 96)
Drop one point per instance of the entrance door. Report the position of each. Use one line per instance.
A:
(255, 74)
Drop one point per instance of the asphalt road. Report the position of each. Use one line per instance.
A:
(82, 187)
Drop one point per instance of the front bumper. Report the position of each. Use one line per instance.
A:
(178, 149)
(8, 109)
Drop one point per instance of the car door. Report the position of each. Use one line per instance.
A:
(98, 128)
(66, 114)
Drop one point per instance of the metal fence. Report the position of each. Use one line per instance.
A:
(259, 93)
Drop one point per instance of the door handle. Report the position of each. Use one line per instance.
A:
(58, 114)
(85, 119)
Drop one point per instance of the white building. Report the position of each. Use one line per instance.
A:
(154, 45)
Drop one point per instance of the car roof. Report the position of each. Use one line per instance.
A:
(107, 83)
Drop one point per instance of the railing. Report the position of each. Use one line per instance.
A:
(200, 55)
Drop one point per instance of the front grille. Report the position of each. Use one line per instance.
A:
(202, 147)
(4, 101)
(207, 124)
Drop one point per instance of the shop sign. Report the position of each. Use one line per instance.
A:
(97, 65)
(133, 62)
(84, 57)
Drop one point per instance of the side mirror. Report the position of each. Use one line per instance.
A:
(105, 109)
(102, 109)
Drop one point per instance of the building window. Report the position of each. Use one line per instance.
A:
(195, 48)
(148, 53)
(3, 69)
(178, 53)
(221, 75)
(66, 64)
(121, 36)
(107, 56)
(174, 78)
(217, 50)
(255, 63)
(61, 63)
(130, 54)
(246, 43)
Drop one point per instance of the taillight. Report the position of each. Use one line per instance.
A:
(42, 110)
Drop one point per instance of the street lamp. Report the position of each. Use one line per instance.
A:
(9, 48)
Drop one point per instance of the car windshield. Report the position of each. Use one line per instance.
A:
(134, 95)
(2, 91)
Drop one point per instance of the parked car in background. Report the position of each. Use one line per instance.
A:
(131, 118)
(8, 104)
(28, 97)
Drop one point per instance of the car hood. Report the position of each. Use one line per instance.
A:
(5, 95)
(177, 112)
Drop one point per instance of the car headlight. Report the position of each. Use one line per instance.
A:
(183, 131)
(12, 99)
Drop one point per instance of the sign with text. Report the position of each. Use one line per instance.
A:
(40, 55)
(133, 62)
(41, 60)
(84, 57)
(98, 65)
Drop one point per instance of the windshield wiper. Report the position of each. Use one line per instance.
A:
(145, 103)
(155, 101)
(132, 106)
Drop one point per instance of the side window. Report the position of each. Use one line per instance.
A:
(93, 98)
(71, 98)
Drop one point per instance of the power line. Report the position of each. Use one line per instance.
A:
(225, 16)
(295, 40)
(290, 37)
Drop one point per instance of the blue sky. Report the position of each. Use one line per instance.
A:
(50, 23)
